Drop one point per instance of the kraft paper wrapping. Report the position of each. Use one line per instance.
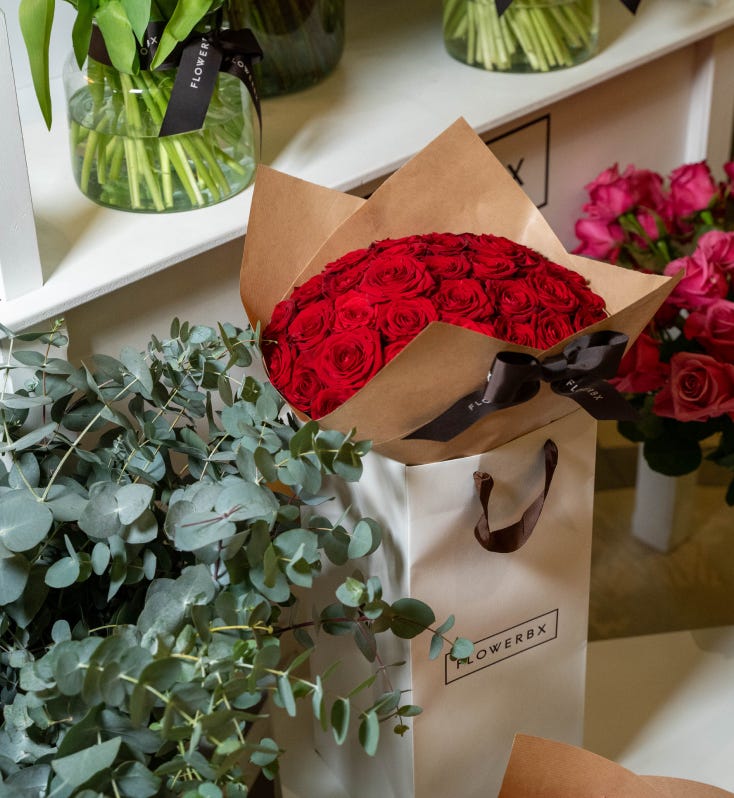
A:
(540, 768)
(456, 185)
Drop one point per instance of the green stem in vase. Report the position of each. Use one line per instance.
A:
(537, 34)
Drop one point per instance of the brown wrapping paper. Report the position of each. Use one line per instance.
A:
(540, 768)
(453, 185)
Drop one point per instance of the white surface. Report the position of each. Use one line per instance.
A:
(20, 265)
(395, 89)
(661, 704)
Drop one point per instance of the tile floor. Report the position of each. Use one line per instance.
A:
(636, 590)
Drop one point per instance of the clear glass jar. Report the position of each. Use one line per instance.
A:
(120, 162)
(302, 40)
(531, 36)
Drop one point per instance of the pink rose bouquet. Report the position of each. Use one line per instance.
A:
(680, 372)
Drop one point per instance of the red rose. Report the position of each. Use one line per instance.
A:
(405, 318)
(279, 359)
(311, 326)
(465, 297)
(446, 243)
(641, 369)
(587, 315)
(353, 310)
(282, 314)
(517, 300)
(700, 388)
(345, 273)
(310, 291)
(483, 327)
(713, 328)
(327, 400)
(517, 332)
(550, 328)
(302, 387)
(692, 187)
(409, 245)
(396, 276)
(552, 293)
(493, 267)
(448, 266)
(489, 246)
(349, 358)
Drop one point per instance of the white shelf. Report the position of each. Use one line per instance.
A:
(395, 89)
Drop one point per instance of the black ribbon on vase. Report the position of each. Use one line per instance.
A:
(198, 60)
(503, 5)
(580, 373)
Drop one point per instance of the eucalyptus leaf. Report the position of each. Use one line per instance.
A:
(14, 573)
(132, 501)
(24, 522)
(78, 768)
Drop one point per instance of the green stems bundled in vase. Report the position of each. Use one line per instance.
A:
(531, 36)
(119, 160)
(302, 39)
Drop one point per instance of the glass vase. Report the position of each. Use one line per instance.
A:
(118, 159)
(531, 36)
(302, 40)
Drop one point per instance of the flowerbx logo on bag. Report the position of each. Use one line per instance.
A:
(504, 644)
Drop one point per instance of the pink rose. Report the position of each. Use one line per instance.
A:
(718, 247)
(692, 187)
(713, 328)
(648, 189)
(611, 194)
(702, 283)
(700, 388)
(599, 239)
(641, 369)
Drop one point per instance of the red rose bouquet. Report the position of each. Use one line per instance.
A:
(373, 321)
(338, 329)
(680, 372)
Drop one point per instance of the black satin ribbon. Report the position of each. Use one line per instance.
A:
(512, 537)
(198, 61)
(503, 5)
(231, 51)
(580, 373)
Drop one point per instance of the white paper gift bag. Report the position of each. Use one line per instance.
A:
(525, 610)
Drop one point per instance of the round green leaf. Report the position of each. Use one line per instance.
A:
(77, 768)
(100, 557)
(63, 573)
(340, 719)
(410, 617)
(14, 573)
(24, 521)
(132, 501)
(369, 733)
(462, 648)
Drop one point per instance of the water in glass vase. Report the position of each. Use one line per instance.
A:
(119, 161)
(531, 35)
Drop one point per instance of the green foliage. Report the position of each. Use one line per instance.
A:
(122, 24)
(157, 533)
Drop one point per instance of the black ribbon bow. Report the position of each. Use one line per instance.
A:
(503, 5)
(199, 59)
(580, 373)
